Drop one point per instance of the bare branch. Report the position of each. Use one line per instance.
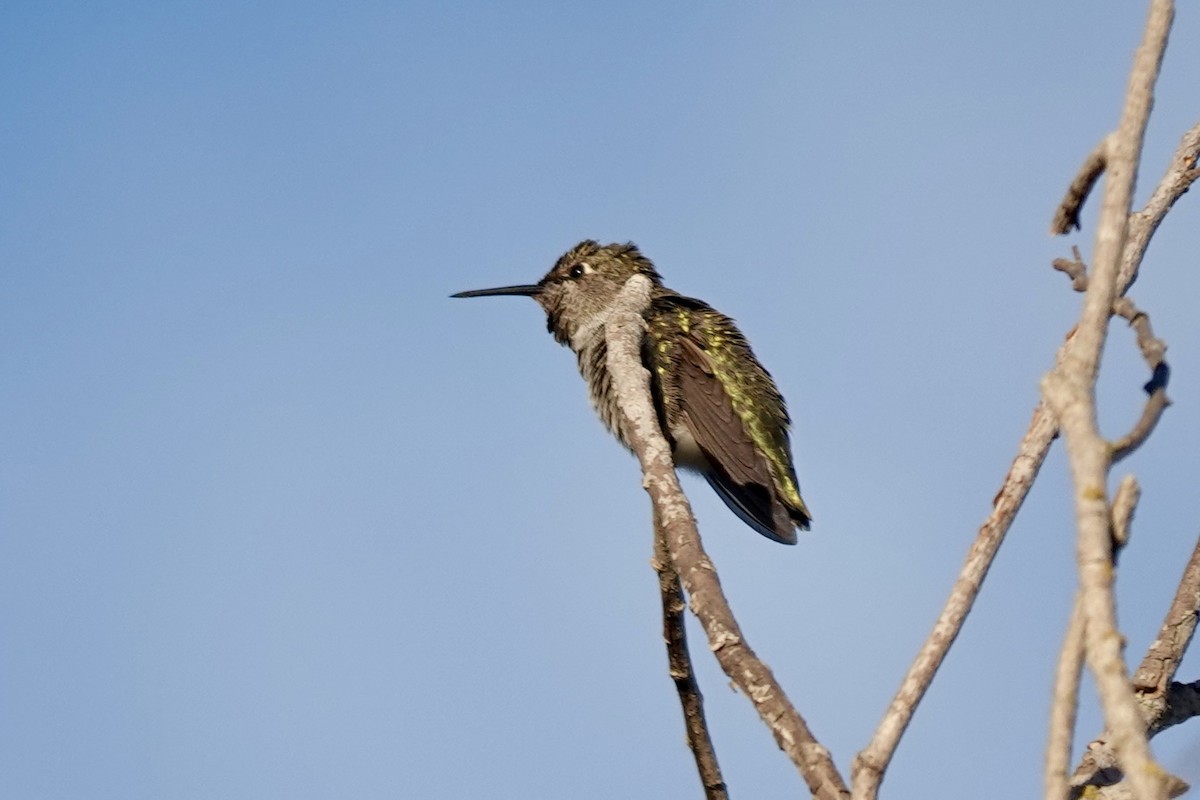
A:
(623, 332)
(1070, 661)
(1098, 768)
(679, 664)
(1157, 669)
(1179, 176)
(1064, 706)
(1067, 215)
(1070, 391)
(871, 763)
(1126, 500)
(1156, 404)
(1162, 702)
(1153, 350)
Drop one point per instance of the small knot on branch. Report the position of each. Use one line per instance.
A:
(1075, 269)
(1154, 352)
(1123, 506)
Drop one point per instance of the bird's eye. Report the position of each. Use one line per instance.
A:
(577, 270)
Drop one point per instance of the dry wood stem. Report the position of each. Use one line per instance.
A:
(1070, 391)
(1157, 669)
(1067, 215)
(1154, 352)
(1162, 702)
(679, 665)
(1064, 705)
(872, 762)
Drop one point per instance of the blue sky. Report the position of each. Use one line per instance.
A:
(280, 519)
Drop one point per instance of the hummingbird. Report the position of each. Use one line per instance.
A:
(717, 406)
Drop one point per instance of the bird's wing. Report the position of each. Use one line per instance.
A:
(712, 419)
(740, 474)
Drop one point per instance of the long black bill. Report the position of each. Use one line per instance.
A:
(528, 290)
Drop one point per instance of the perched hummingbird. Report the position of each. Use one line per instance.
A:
(717, 406)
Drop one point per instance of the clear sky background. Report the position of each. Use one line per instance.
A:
(280, 519)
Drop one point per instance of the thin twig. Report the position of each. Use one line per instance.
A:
(1064, 706)
(871, 763)
(679, 665)
(1152, 412)
(1067, 215)
(623, 331)
(1180, 174)
(1153, 349)
(1070, 390)
(1182, 168)
(1154, 352)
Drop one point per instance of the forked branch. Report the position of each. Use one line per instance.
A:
(623, 332)
(1070, 391)
(679, 665)
(1163, 702)
(872, 762)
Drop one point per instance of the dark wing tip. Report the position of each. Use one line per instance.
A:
(755, 506)
(800, 519)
